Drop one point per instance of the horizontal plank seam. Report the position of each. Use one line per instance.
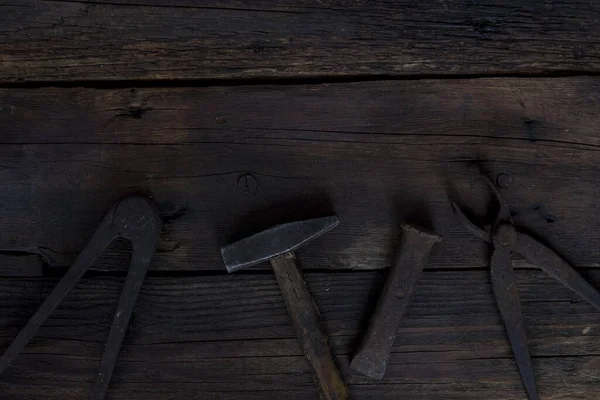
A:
(287, 81)
(201, 7)
(58, 272)
(569, 145)
(293, 355)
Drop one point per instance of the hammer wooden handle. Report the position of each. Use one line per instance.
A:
(373, 353)
(309, 329)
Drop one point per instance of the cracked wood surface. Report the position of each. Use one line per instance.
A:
(230, 337)
(54, 40)
(225, 162)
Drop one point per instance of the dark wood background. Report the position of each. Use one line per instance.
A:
(235, 115)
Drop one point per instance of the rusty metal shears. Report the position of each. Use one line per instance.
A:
(505, 240)
(135, 219)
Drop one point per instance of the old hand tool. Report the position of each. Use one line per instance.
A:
(135, 219)
(374, 350)
(277, 245)
(505, 240)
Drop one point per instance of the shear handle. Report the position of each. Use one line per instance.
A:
(555, 266)
(507, 298)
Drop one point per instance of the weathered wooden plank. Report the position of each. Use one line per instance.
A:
(230, 336)
(229, 161)
(559, 376)
(554, 111)
(12, 264)
(157, 39)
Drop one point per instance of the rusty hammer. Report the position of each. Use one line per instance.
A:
(277, 245)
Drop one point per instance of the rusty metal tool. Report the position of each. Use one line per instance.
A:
(277, 245)
(505, 240)
(374, 350)
(135, 219)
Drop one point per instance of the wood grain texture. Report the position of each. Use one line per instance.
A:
(230, 337)
(12, 264)
(225, 162)
(160, 40)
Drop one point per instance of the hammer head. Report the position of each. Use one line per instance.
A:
(274, 241)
